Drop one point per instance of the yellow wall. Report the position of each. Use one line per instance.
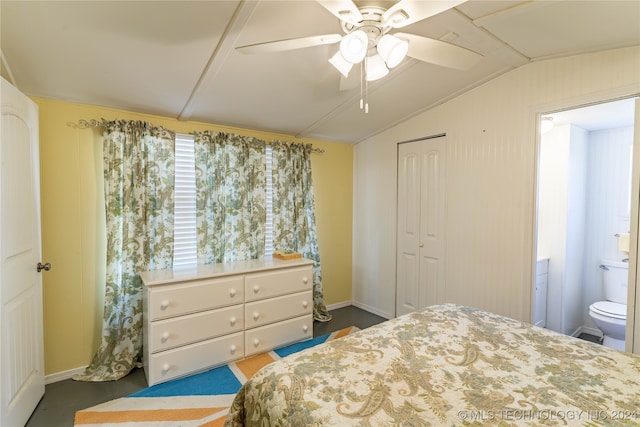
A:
(73, 222)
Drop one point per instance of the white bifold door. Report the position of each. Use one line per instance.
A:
(421, 224)
(21, 337)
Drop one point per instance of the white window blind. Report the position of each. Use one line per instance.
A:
(268, 232)
(184, 234)
(185, 244)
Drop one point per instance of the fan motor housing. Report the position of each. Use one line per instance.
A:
(371, 24)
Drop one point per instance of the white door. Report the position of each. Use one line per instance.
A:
(632, 339)
(21, 331)
(420, 233)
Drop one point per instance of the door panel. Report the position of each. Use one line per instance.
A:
(21, 334)
(420, 228)
(408, 231)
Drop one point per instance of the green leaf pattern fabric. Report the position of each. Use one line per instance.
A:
(294, 221)
(139, 168)
(447, 365)
(230, 197)
(139, 180)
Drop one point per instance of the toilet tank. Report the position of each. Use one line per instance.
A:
(615, 277)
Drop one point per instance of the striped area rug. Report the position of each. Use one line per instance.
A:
(198, 400)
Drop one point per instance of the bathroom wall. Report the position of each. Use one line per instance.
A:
(562, 223)
(607, 206)
(584, 188)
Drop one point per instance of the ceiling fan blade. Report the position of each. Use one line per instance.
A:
(351, 82)
(290, 44)
(439, 52)
(345, 10)
(406, 12)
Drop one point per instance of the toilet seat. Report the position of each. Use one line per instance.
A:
(610, 309)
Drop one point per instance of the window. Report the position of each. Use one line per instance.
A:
(185, 243)
(268, 232)
(184, 234)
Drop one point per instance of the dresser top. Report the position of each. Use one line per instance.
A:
(207, 271)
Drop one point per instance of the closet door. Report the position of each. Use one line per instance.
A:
(420, 229)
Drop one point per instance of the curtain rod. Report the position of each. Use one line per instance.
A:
(93, 123)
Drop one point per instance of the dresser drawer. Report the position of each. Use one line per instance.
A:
(190, 297)
(271, 310)
(185, 360)
(265, 338)
(169, 333)
(273, 283)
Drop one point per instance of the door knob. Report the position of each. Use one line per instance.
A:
(45, 267)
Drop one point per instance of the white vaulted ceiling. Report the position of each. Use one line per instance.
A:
(178, 58)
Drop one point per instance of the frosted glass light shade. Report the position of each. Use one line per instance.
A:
(375, 68)
(354, 46)
(392, 49)
(341, 64)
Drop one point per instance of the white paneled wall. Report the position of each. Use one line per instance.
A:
(607, 206)
(562, 213)
(491, 132)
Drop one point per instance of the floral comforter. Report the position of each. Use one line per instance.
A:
(447, 365)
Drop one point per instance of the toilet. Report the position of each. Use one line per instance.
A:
(611, 315)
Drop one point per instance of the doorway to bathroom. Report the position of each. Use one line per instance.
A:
(583, 207)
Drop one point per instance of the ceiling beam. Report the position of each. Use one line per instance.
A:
(240, 17)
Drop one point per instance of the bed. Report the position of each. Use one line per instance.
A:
(446, 365)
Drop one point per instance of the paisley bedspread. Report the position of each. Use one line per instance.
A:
(447, 365)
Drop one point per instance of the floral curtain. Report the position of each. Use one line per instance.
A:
(294, 221)
(138, 185)
(230, 197)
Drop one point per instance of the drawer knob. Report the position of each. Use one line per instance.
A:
(233, 321)
(164, 337)
(305, 304)
(165, 368)
(232, 293)
(233, 348)
(256, 315)
(164, 304)
(256, 342)
(256, 289)
(305, 280)
(305, 328)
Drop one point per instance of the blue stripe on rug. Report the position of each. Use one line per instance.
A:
(299, 346)
(219, 380)
(215, 381)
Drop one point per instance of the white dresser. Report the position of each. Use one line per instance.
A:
(195, 319)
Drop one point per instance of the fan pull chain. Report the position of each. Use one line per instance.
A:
(366, 96)
(364, 86)
(361, 86)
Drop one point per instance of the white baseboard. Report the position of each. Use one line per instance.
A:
(372, 310)
(339, 305)
(64, 375)
(361, 306)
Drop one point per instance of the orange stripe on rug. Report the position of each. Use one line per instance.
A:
(95, 417)
(154, 410)
(254, 363)
(344, 332)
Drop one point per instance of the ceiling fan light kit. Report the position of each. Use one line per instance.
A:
(341, 64)
(375, 68)
(367, 42)
(354, 46)
(392, 49)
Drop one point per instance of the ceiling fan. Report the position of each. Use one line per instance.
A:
(368, 39)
